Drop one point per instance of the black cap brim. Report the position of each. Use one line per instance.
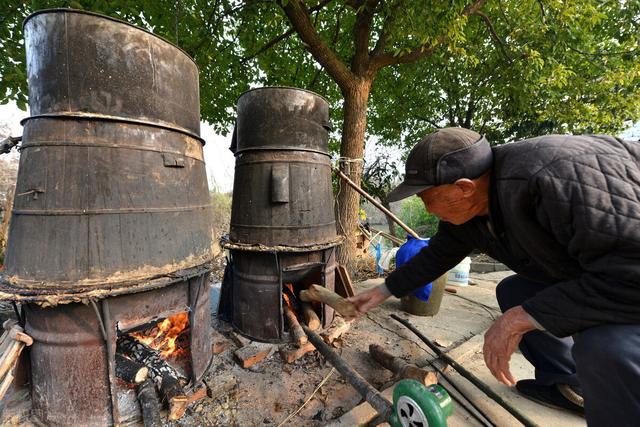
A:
(404, 190)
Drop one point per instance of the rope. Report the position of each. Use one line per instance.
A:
(310, 397)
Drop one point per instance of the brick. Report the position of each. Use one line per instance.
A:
(253, 353)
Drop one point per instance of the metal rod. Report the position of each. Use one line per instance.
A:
(371, 395)
(110, 342)
(376, 203)
(478, 414)
(468, 375)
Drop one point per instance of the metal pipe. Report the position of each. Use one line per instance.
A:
(110, 343)
(468, 375)
(371, 395)
(376, 203)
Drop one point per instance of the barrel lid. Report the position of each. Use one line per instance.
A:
(99, 15)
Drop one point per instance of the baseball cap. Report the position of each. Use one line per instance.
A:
(443, 157)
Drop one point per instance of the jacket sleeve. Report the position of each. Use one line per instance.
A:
(444, 252)
(590, 206)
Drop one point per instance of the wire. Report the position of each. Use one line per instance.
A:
(310, 397)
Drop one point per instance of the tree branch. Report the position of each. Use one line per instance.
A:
(362, 34)
(274, 41)
(384, 32)
(430, 121)
(494, 35)
(422, 51)
(299, 17)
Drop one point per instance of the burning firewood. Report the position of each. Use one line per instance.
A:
(325, 296)
(130, 371)
(149, 404)
(166, 378)
(310, 316)
(338, 327)
(294, 326)
(400, 367)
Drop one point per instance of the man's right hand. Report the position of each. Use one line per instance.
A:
(368, 299)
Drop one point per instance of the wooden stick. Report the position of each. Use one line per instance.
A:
(310, 316)
(6, 383)
(10, 357)
(400, 367)
(376, 203)
(293, 355)
(338, 327)
(325, 296)
(149, 404)
(294, 326)
(130, 371)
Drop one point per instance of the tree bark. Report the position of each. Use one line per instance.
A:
(351, 152)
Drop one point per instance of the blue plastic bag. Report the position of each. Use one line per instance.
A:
(411, 247)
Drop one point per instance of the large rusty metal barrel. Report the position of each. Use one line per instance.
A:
(112, 193)
(282, 193)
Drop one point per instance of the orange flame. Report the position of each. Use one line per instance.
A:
(288, 295)
(164, 339)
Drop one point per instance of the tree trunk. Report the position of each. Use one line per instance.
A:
(351, 152)
(390, 222)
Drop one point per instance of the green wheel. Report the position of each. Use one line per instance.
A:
(415, 405)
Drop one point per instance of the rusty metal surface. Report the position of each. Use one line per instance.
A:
(54, 296)
(282, 118)
(112, 188)
(69, 372)
(69, 357)
(282, 194)
(306, 218)
(84, 62)
(257, 288)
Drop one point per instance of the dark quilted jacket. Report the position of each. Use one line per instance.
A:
(563, 210)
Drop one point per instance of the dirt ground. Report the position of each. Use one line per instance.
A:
(270, 391)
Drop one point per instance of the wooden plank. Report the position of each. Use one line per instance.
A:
(344, 286)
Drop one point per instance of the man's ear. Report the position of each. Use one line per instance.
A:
(467, 186)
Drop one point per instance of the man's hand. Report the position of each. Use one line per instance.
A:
(368, 299)
(502, 339)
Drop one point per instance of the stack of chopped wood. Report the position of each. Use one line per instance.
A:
(12, 343)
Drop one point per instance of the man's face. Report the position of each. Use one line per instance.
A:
(449, 203)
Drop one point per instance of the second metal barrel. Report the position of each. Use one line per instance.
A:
(282, 194)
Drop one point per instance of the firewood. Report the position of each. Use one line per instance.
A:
(310, 316)
(338, 327)
(6, 383)
(400, 367)
(130, 371)
(293, 355)
(295, 329)
(325, 296)
(15, 342)
(149, 404)
(166, 378)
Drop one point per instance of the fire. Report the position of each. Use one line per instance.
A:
(164, 335)
(288, 295)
